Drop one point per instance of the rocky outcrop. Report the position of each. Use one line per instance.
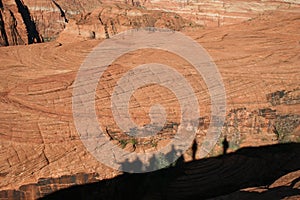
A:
(220, 13)
(245, 127)
(284, 97)
(108, 20)
(45, 20)
(4, 39)
(207, 13)
(51, 17)
(12, 29)
(38, 138)
(31, 29)
(17, 24)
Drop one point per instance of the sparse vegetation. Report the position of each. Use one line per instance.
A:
(153, 143)
(284, 126)
(123, 143)
(133, 141)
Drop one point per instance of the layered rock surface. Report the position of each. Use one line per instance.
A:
(219, 13)
(258, 60)
(28, 21)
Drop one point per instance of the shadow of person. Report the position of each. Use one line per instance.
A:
(132, 167)
(194, 149)
(225, 144)
(200, 179)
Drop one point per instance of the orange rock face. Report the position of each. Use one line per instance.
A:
(218, 13)
(255, 45)
(26, 22)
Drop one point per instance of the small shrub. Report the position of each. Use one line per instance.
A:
(123, 143)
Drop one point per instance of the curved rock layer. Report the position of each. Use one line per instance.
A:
(224, 12)
(29, 21)
(258, 60)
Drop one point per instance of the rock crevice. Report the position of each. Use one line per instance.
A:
(32, 32)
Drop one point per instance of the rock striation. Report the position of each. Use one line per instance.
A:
(28, 21)
(257, 58)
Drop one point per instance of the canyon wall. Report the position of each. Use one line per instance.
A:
(220, 13)
(28, 21)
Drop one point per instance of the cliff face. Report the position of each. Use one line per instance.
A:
(108, 20)
(13, 30)
(21, 23)
(219, 13)
(52, 15)
(17, 24)
(29, 21)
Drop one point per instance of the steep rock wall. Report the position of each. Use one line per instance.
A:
(44, 20)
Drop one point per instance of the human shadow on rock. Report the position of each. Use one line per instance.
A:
(198, 179)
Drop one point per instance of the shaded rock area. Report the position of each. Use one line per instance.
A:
(31, 29)
(46, 186)
(17, 25)
(202, 179)
(13, 29)
(286, 187)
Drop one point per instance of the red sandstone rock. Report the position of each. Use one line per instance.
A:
(38, 139)
(52, 16)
